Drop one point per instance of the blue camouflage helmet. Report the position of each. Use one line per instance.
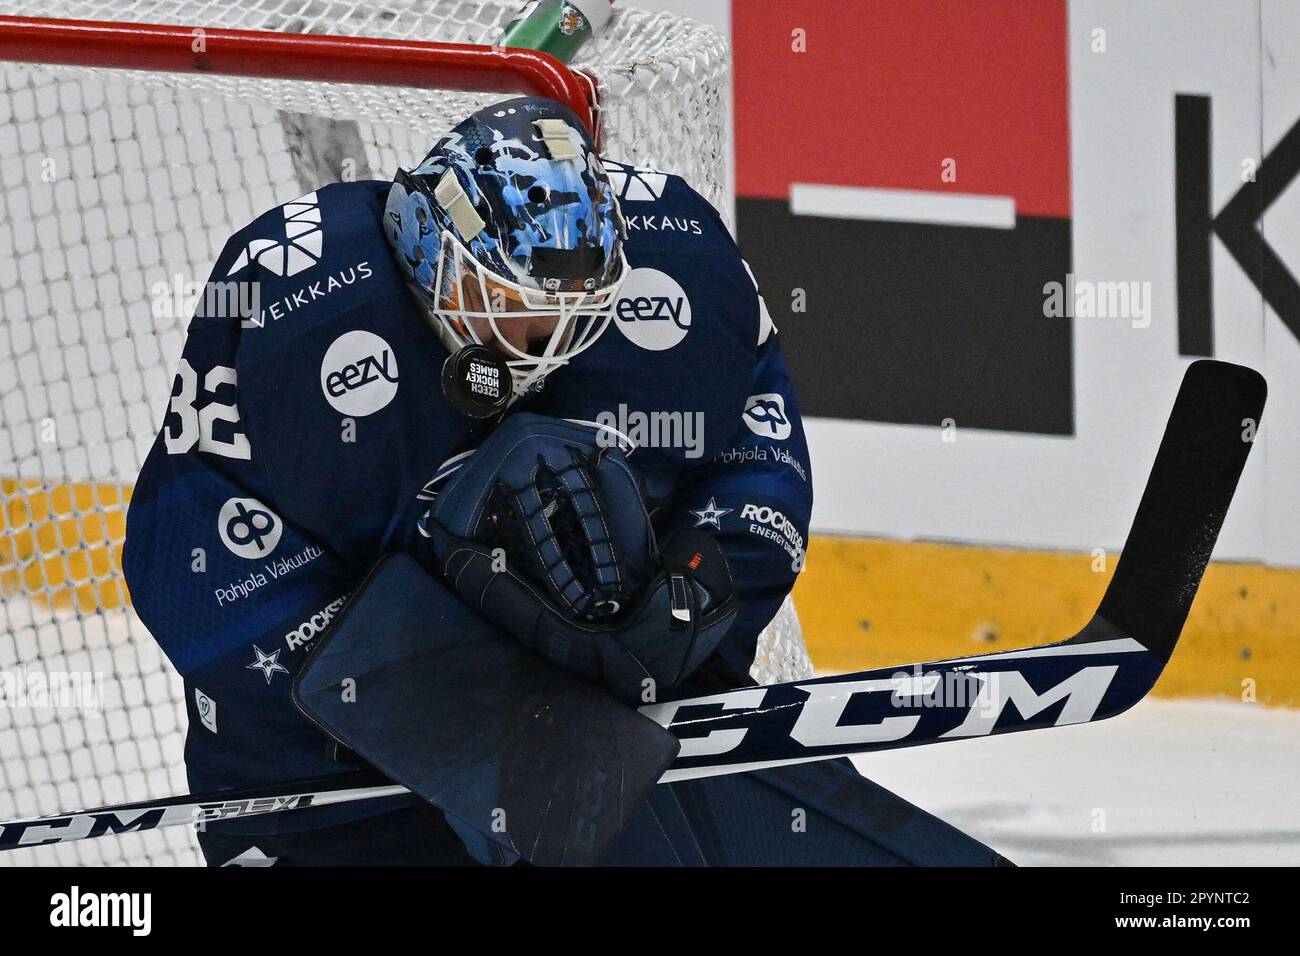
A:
(511, 216)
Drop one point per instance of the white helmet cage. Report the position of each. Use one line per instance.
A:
(581, 317)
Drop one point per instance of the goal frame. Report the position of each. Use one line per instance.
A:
(98, 99)
(375, 61)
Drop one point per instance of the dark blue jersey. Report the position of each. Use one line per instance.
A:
(307, 418)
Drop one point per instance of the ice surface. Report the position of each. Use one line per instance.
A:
(1170, 783)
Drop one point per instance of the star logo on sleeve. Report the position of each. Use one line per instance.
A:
(268, 664)
(711, 515)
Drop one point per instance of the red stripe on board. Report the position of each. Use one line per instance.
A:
(886, 91)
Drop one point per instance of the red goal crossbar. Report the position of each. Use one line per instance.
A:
(298, 56)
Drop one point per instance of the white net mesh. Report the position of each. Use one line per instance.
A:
(114, 184)
(781, 654)
(661, 76)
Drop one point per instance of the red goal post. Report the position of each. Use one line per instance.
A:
(378, 61)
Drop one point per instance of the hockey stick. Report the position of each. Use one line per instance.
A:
(1102, 671)
(197, 809)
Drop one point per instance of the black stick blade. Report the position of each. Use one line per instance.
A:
(1201, 456)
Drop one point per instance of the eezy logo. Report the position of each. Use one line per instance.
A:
(653, 311)
(358, 374)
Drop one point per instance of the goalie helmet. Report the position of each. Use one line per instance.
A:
(512, 219)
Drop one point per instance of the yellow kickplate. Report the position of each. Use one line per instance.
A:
(61, 545)
(863, 602)
(867, 602)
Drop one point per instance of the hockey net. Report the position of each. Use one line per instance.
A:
(118, 188)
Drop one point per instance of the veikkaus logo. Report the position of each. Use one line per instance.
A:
(298, 250)
(248, 528)
(636, 183)
(765, 415)
(358, 373)
(652, 310)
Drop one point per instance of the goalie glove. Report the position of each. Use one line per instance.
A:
(546, 534)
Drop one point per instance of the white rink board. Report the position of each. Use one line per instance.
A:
(1079, 492)
(1181, 783)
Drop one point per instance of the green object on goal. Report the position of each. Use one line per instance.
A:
(557, 27)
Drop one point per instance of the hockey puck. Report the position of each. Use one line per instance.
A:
(476, 381)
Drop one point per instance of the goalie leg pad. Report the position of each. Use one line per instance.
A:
(524, 759)
(814, 814)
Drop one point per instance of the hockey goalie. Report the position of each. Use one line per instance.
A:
(566, 410)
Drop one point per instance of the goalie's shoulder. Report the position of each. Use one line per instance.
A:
(674, 230)
(662, 207)
(302, 261)
(294, 237)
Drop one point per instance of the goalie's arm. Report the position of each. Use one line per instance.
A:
(213, 564)
(205, 526)
(756, 500)
(233, 589)
(236, 594)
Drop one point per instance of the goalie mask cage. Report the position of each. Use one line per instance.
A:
(126, 161)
